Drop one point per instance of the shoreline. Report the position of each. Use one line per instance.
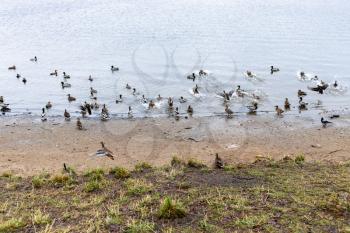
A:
(30, 146)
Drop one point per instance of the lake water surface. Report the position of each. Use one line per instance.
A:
(157, 44)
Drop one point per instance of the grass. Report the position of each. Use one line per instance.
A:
(170, 209)
(290, 195)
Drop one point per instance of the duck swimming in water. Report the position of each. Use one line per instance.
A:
(90, 78)
(1, 99)
(93, 91)
(18, 75)
(195, 90)
(170, 103)
(286, 104)
(71, 98)
(274, 69)
(24, 80)
(34, 59)
(182, 100)
(12, 67)
(252, 108)
(301, 93)
(65, 85)
(130, 114)
(151, 104)
(114, 68)
(302, 104)
(128, 86)
(66, 76)
(278, 110)
(66, 115)
(335, 84)
(119, 100)
(55, 73)
(48, 105)
(5, 108)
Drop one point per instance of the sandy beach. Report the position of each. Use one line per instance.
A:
(29, 146)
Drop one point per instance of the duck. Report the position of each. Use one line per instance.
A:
(195, 90)
(192, 76)
(202, 73)
(105, 152)
(182, 100)
(286, 104)
(274, 69)
(190, 110)
(170, 103)
(104, 109)
(252, 108)
(24, 80)
(134, 91)
(151, 104)
(301, 93)
(83, 113)
(18, 75)
(228, 110)
(128, 86)
(239, 91)
(119, 100)
(302, 75)
(144, 99)
(79, 124)
(335, 84)
(66, 115)
(48, 105)
(5, 108)
(322, 86)
(87, 107)
(177, 113)
(1, 99)
(219, 163)
(104, 116)
(55, 73)
(250, 74)
(43, 115)
(90, 78)
(93, 91)
(71, 98)
(159, 98)
(66, 76)
(302, 104)
(114, 68)
(278, 110)
(130, 114)
(325, 122)
(12, 67)
(65, 85)
(34, 59)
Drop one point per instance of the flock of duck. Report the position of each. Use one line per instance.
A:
(88, 107)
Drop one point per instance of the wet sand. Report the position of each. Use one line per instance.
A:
(29, 146)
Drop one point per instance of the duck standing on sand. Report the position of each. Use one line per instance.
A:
(325, 122)
(170, 103)
(286, 104)
(105, 152)
(66, 115)
(71, 98)
(219, 163)
(79, 124)
(278, 110)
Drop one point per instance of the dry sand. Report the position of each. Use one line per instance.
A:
(29, 146)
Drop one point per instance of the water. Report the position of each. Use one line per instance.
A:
(156, 44)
